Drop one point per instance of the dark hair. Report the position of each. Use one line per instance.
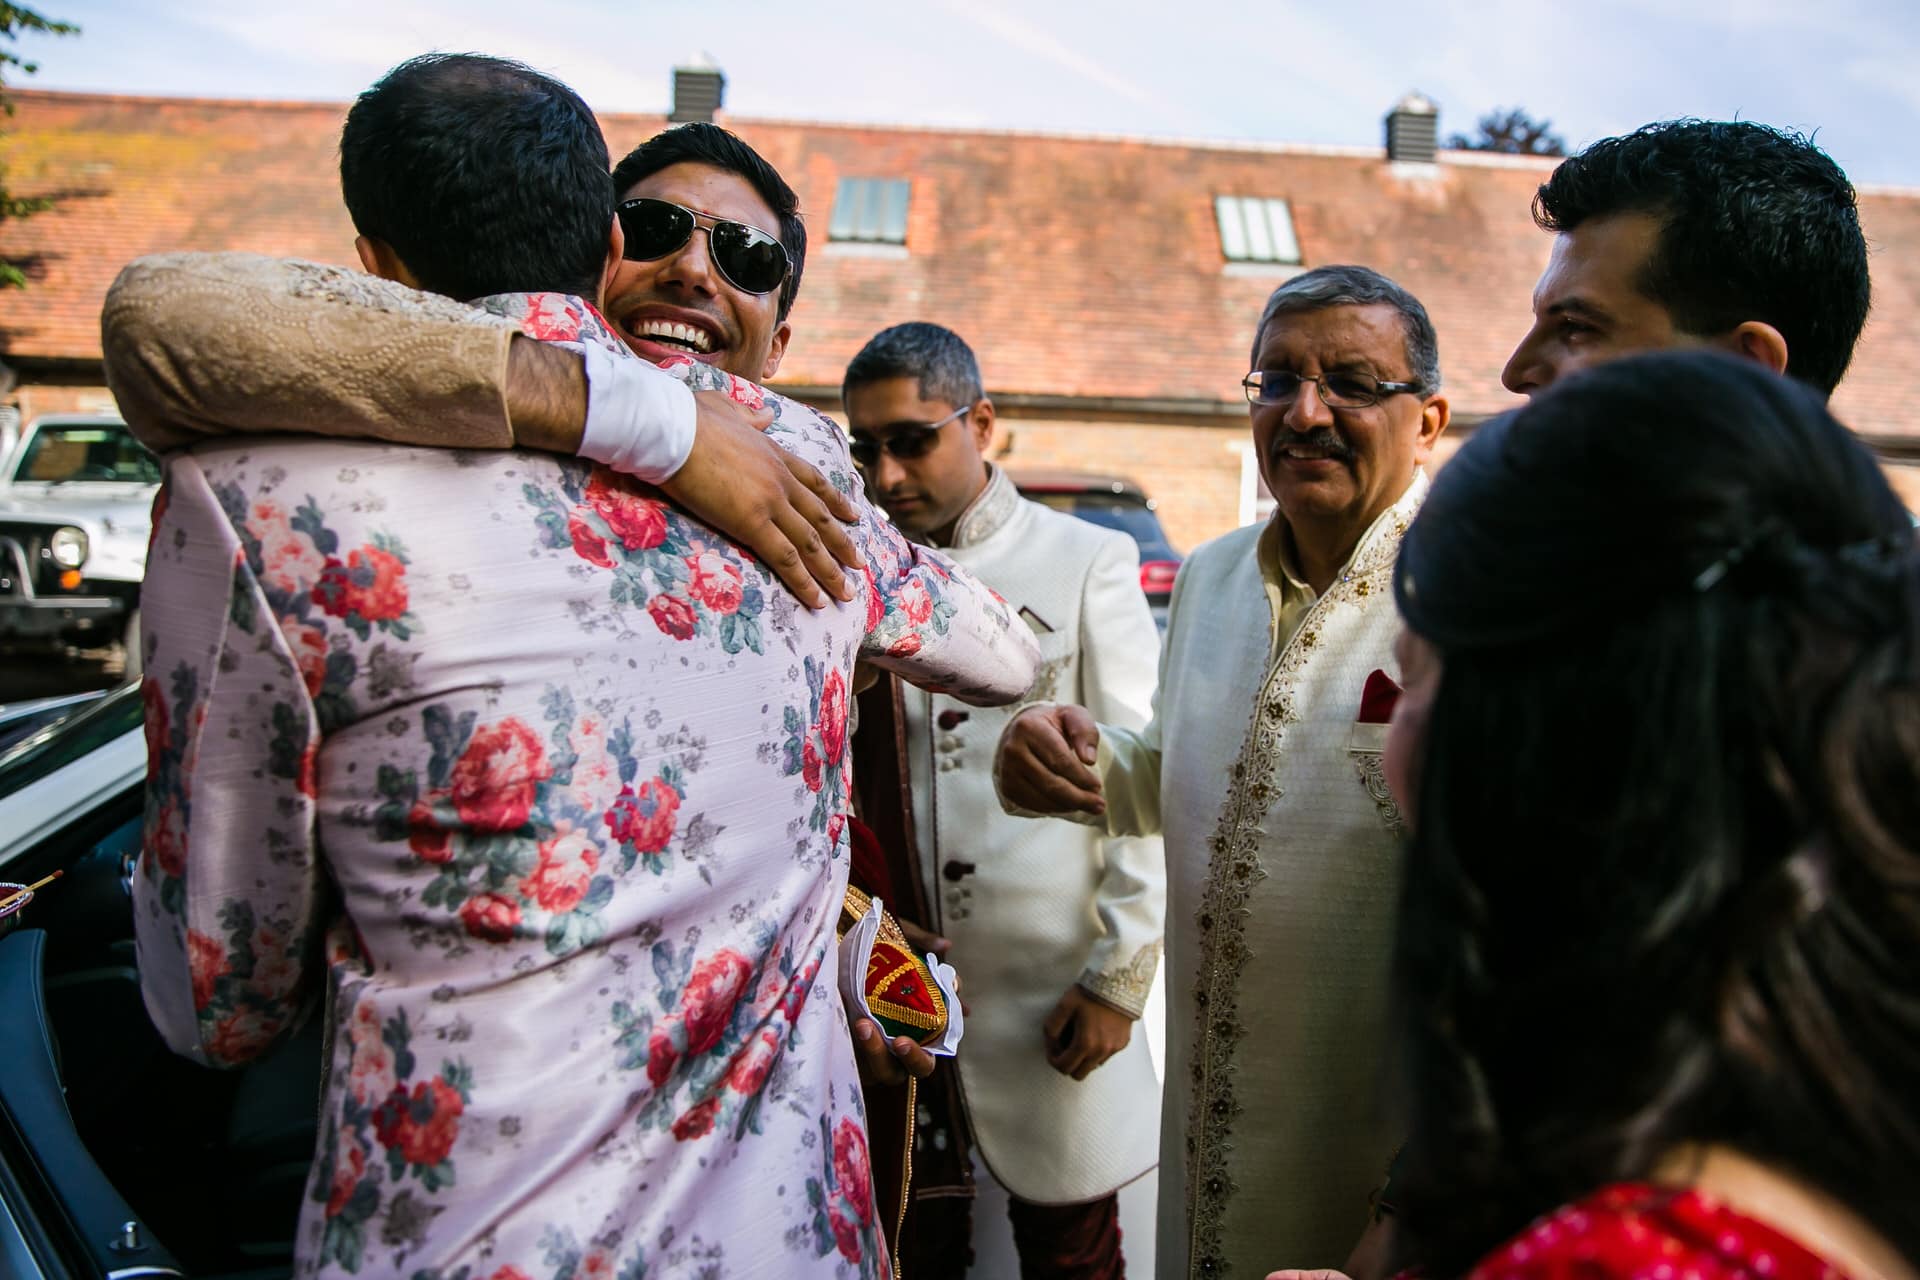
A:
(1346, 286)
(935, 357)
(483, 175)
(709, 144)
(1756, 224)
(1665, 883)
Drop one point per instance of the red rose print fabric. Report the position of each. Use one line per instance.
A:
(546, 784)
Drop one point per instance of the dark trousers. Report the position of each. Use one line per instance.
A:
(1055, 1242)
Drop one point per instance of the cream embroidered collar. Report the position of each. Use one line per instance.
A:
(988, 513)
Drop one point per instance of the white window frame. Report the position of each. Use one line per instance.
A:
(1256, 230)
(1256, 501)
(883, 204)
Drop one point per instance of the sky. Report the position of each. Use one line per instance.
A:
(1213, 69)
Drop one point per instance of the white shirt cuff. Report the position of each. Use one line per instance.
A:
(640, 419)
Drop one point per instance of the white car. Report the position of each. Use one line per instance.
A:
(76, 502)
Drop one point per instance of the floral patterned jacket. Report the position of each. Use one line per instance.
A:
(538, 785)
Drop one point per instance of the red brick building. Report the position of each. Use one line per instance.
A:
(1110, 285)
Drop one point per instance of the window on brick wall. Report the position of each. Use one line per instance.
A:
(1256, 500)
(870, 211)
(1256, 229)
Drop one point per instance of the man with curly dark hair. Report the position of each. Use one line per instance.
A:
(1698, 233)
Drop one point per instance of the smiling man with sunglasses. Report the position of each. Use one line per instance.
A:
(713, 253)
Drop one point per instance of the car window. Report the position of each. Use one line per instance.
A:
(1137, 522)
(97, 451)
(1134, 521)
(71, 737)
(21, 719)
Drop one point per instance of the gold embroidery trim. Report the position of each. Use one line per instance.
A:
(903, 1013)
(1127, 988)
(1046, 680)
(1233, 868)
(1373, 776)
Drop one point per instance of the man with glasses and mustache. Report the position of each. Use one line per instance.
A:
(1056, 926)
(1261, 768)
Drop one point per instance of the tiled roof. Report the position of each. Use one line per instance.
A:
(1077, 266)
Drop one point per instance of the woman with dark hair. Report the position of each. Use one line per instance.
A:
(1659, 949)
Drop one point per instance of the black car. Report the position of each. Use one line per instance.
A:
(1112, 502)
(118, 1159)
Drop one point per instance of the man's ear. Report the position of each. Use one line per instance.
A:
(980, 423)
(781, 332)
(616, 254)
(1760, 342)
(378, 257)
(1434, 416)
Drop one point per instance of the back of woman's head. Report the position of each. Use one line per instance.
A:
(1666, 883)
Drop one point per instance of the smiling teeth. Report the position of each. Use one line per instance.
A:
(684, 334)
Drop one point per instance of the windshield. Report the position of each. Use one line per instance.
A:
(96, 451)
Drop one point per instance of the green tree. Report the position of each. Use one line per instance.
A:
(15, 19)
(1514, 132)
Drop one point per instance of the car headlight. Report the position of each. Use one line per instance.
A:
(68, 547)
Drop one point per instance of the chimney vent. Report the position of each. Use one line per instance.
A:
(1413, 130)
(697, 93)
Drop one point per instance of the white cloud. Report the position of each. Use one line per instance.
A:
(1031, 39)
(1261, 69)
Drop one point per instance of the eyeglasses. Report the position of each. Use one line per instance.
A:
(905, 440)
(1339, 389)
(747, 257)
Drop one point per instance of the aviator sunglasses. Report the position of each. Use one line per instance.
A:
(747, 257)
(906, 441)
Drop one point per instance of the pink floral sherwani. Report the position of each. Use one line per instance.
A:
(547, 782)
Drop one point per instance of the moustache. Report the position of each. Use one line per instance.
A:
(1324, 441)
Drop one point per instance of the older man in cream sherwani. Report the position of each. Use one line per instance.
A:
(1262, 771)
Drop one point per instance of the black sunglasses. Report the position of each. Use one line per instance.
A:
(748, 257)
(906, 440)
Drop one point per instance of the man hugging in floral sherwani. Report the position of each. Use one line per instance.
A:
(537, 779)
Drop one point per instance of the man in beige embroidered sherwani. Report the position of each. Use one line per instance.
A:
(1282, 861)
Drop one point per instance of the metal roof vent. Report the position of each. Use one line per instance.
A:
(697, 92)
(1413, 130)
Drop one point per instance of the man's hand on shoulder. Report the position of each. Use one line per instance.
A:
(1082, 1032)
(761, 496)
(715, 461)
(1046, 761)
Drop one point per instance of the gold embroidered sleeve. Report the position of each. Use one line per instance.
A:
(1126, 988)
(200, 345)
